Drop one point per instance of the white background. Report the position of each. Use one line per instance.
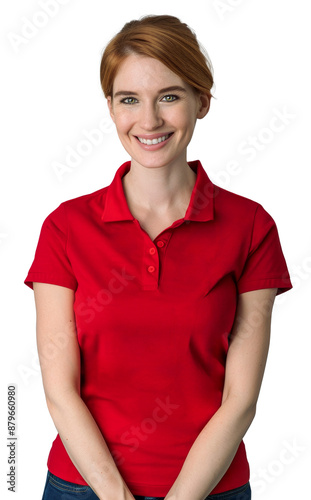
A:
(51, 98)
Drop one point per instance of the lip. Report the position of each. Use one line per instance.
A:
(153, 136)
(153, 147)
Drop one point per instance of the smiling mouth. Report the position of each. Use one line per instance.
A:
(158, 140)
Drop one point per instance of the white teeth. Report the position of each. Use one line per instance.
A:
(149, 142)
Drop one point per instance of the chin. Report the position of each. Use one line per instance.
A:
(152, 164)
(157, 161)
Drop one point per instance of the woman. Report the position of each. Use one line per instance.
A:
(154, 297)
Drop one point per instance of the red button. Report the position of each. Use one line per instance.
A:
(151, 269)
(160, 243)
(152, 250)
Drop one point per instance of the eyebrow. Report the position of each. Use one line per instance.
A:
(161, 91)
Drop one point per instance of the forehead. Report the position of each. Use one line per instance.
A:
(138, 71)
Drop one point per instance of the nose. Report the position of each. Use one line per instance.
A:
(151, 118)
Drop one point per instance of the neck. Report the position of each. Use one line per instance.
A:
(159, 190)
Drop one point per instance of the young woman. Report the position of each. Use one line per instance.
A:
(154, 297)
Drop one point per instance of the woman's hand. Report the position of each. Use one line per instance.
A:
(125, 494)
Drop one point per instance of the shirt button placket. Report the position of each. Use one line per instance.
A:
(160, 243)
(152, 264)
(152, 251)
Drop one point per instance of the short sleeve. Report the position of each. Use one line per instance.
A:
(51, 263)
(265, 266)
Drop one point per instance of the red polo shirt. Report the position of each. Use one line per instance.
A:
(153, 319)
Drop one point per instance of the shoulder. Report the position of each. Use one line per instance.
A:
(80, 206)
(236, 202)
(235, 207)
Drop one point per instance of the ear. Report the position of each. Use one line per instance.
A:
(204, 105)
(110, 107)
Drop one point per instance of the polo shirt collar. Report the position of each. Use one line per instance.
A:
(200, 208)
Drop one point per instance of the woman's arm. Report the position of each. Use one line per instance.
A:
(59, 357)
(215, 447)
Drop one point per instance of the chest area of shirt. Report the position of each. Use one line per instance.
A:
(185, 255)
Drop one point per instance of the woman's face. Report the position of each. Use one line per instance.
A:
(154, 111)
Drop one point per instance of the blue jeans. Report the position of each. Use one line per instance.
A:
(58, 489)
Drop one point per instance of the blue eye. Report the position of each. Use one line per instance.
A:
(129, 100)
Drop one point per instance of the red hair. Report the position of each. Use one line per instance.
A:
(164, 38)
